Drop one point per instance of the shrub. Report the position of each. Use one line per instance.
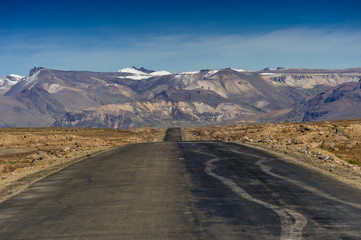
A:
(354, 162)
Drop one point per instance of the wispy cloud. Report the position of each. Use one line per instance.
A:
(109, 51)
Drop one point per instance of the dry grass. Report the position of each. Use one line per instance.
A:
(331, 147)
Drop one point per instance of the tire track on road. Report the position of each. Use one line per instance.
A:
(267, 170)
(292, 222)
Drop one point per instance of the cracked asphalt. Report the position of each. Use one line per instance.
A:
(183, 190)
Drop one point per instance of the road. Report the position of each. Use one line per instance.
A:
(183, 190)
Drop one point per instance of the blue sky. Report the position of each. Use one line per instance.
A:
(178, 35)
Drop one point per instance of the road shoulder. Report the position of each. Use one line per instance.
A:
(22, 179)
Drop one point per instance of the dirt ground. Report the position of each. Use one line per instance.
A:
(28, 154)
(332, 147)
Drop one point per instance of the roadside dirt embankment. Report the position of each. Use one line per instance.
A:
(332, 147)
(29, 154)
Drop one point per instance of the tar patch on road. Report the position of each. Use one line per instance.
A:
(173, 135)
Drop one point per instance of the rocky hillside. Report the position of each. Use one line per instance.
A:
(134, 97)
(340, 102)
(311, 78)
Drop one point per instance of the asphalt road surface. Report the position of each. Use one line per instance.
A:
(183, 190)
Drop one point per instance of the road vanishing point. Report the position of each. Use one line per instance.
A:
(183, 190)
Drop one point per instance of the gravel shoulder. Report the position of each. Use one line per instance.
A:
(20, 180)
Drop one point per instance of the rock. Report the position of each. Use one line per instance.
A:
(67, 149)
(328, 145)
(296, 141)
(340, 131)
(33, 162)
(245, 139)
(5, 176)
(321, 133)
(40, 152)
(78, 145)
(34, 70)
(304, 128)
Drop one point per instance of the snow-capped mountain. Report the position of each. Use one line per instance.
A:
(140, 73)
(8, 81)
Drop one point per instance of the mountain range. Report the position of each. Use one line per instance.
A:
(135, 97)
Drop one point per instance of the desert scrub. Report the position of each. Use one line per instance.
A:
(354, 162)
(332, 150)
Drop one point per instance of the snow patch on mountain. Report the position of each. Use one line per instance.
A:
(52, 88)
(238, 70)
(186, 73)
(211, 73)
(131, 71)
(8, 81)
(267, 74)
(15, 76)
(160, 73)
(31, 81)
(135, 74)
